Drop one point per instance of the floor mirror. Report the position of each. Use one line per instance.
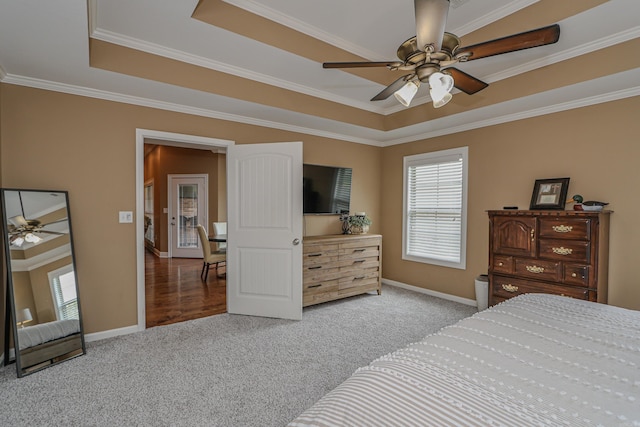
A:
(43, 324)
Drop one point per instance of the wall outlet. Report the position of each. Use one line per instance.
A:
(126, 216)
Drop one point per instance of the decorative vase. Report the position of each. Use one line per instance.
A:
(356, 229)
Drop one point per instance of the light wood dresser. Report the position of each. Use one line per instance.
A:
(340, 266)
(558, 252)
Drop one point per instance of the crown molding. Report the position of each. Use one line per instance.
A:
(178, 108)
(567, 54)
(556, 108)
(304, 28)
(144, 46)
(497, 14)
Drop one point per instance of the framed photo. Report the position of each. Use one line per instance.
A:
(550, 193)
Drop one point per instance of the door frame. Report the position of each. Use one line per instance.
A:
(159, 138)
(170, 199)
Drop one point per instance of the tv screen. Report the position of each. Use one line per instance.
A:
(326, 189)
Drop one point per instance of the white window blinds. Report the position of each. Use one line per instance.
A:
(63, 286)
(435, 204)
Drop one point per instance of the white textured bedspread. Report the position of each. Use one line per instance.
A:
(534, 360)
(44, 332)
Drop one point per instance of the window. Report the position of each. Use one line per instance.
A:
(63, 288)
(435, 208)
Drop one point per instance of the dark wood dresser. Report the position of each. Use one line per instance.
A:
(558, 252)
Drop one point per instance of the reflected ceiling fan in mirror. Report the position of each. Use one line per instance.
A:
(430, 55)
(23, 230)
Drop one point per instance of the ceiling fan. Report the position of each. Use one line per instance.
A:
(430, 55)
(25, 230)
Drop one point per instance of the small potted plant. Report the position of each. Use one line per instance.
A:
(359, 223)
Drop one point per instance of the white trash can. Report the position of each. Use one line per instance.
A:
(482, 291)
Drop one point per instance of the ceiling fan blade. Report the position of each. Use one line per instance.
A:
(431, 18)
(386, 92)
(54, 222)
(466, 82)
(51, 232)
(361, 64)
(534, 38)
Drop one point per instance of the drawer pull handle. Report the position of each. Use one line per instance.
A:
(510, 288)
(359, 250)
(500, 264)
(535, 269)
(562, 228)
(358, 261)
(312, 255)
(315, 286)
(574, 275)
(562, 251)
(533, 234)
(358, 278)
(315, 267)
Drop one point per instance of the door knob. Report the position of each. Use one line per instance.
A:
(296, 242)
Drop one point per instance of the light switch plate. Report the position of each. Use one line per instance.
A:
(126, 216)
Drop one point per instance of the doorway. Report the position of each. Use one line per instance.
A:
(185, 269)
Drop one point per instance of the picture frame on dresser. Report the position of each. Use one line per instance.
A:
(549, 194)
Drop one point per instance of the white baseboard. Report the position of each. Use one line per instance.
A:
(437, 294)
(97, 336)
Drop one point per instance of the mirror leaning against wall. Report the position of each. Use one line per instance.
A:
(43, 306)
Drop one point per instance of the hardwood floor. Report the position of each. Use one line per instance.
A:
(175, 292)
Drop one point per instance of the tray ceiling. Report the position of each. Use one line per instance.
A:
(260, 61)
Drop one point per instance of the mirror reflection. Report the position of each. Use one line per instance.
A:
(42, 288)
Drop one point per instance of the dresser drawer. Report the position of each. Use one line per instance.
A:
(319, 248)
(565, 228)
(538, 269)
(506, 287)
(319, 259)
(359, 252)
(319, 273)
(357, 264)
(502, 264)
(576, 274)
(564, 250)
(359, 278)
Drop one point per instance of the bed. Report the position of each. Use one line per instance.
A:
(534, 360)
(46, 341)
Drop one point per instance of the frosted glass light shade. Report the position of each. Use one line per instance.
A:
(440, 84)
(405, 94)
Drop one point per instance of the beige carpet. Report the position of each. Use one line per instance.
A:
(224, 370)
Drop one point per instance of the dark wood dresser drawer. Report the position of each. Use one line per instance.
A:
(508, 287)
(565, 228)
(539, 269)
(576, 274)
(502, 264)
(577, 251)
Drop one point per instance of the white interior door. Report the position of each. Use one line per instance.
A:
(187, 208)
(264, 229)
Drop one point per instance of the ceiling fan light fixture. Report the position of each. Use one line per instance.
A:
(18, 241)
(442, 101)
(440, 87)
(405, 94)
(32, 238)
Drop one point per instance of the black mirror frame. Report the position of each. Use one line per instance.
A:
(10, 292)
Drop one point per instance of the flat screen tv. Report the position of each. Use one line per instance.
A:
(326, 189)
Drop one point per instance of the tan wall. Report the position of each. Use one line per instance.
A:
(597, 147)
(87, 146)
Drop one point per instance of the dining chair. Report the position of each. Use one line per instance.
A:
(209, 258)
(220, 228)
